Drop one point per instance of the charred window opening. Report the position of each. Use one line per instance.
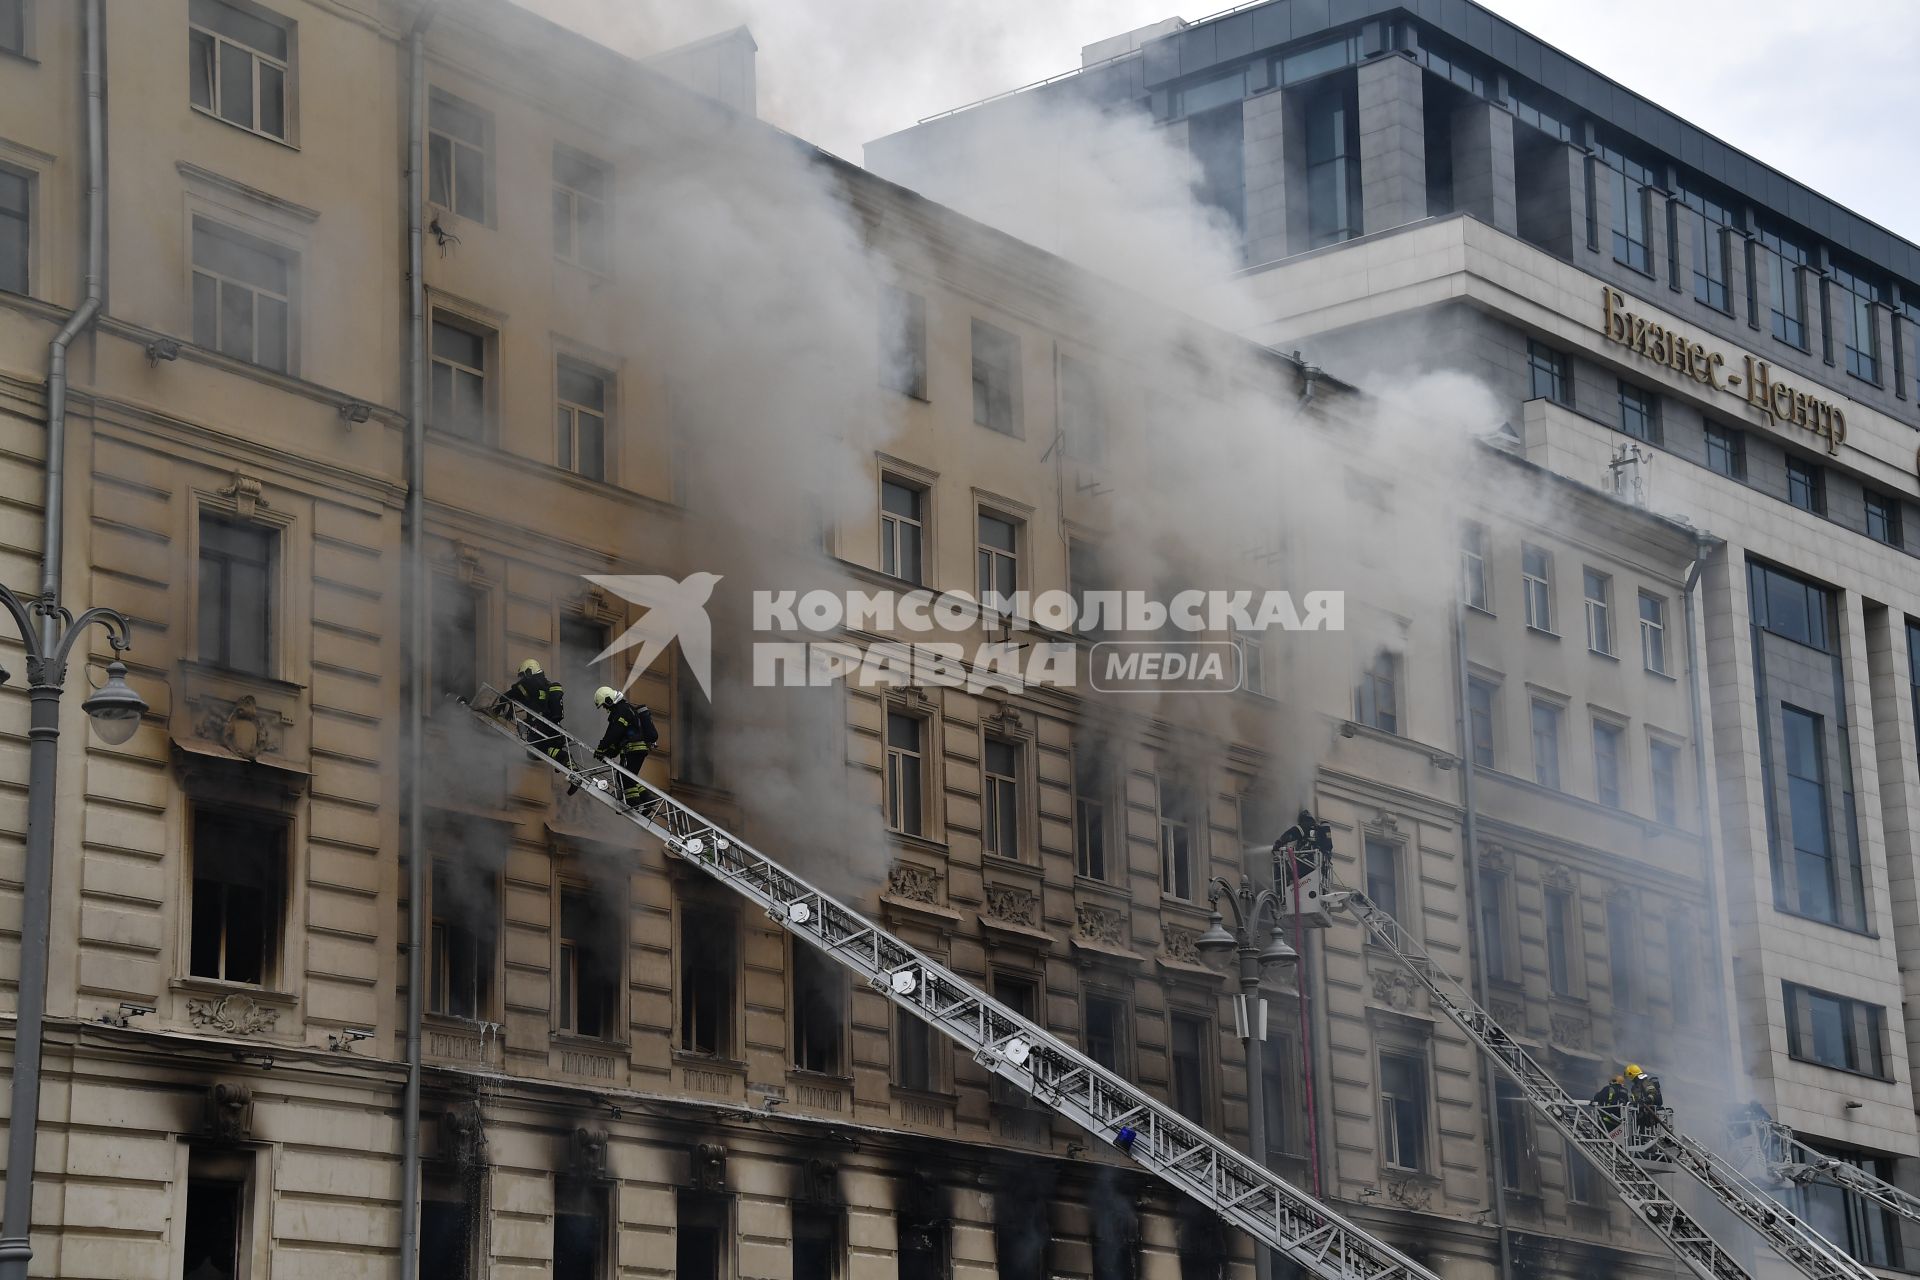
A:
(925, 1245)
(1202, 1244)
(236, 594)
(700, 1237)
(1022, 1230)
(239, 897)
(903, 342)
(466, 908)
(447, 1227)
(458, 609)
(819, 1012)
(589, 965)
(916, 1056)
(1115, 1230)
(581, 1230)
(816, 1245)
(707, 969)
(217, 1232)
(1021, 993)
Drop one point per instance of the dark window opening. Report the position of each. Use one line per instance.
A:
(239, 897)
(816, 1245)
(708, 967)
(465, 905)
(1563, 941)
(581, 1231)
(15, 221)
(590, 965)
(700, 1236)
(216, 1215)
(447, 1223)
(903, 342)
(996, 379)
(819, 1011)
(458, 610)
(916, 1065)
(1187, 1065)
(1403, 1111)
(1105, 1039)
(236, 594)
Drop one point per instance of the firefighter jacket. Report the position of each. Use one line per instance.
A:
(629, 728)
(540, 695)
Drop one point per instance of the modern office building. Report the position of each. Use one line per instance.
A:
(1427, 186)
(658, 337)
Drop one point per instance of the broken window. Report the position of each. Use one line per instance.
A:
(816, 1245)
(236, 594)
(996, 379)
(700, 1237)
(447, 1233)
(239, 879)
(589, 966)
(707, 967)
(466, 907)
(218, 1228)
(819, 1012)
(458, 608)
(581, 1230)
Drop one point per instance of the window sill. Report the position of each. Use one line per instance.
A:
(1482, 610)
(574, 1040)
(1542, 631)
(1875, 383)
(707, 1061)
(1859, 931)
(1602, 653)
(1638, 270)
(1668, 676)
(1845, 1071)
(220, 119)
(193, 984)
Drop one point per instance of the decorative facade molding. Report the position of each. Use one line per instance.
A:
(1394, 988)
(238, 724)
(587, 1152)
(463, 1135)
(1408, 1192)
(708, 1168)
(1179, 944)
(1013, 904)
(237, 1014)
(246, 493)
(913, 883)
(1557, 876)
(1106, 926)
(1568, 1030)
(1495, 857)
(229, 1111)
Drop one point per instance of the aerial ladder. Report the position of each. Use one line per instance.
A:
(1629, 1165)
(1164, 1143)
(1789, 1160)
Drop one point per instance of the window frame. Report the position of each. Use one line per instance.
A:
(273, 534)
(569, 1192)
(1092, 795)
(1730, 443)
(236, 237)
(568, 412)
(707, 921)
(994, 349)
(198, 1160)
(1799, 1048)
(1553, 365)
(1812, 477)
(836, 1006)
(571, 960)
(1625, 945)
(1561, 918)
(1203, 1067)
(1636, 401)
(444, 98)
(1547, 771)
(1391, 870)
(1476, 587)
(893, 780)
(1002, 799)
(1884, 509)
(279, 877)
(1537, 589)
(1122, 1037)
(903, 341)
(1376, 699)
(1174, 805)
(1489, 715)
(1599, 610)
(26, 216)
(892, 522)
(486, 432)
(1614, 733)
(439, 1001)
(287, 67)
(574, 196)
(1653, 633)
(1666, 808)
(990, 560)
(1391, 1138)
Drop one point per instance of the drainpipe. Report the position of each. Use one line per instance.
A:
(1470, 839)
(414, 598)
(1711, 880)
(36, 919)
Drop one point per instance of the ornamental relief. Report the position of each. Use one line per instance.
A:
(237, 1015)
(1011, 904)
(912, 883)
(1106, 926)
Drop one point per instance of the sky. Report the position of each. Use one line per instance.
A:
(1824, 92)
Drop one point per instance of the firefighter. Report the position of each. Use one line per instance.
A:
(630, 735)
(1643, 1088)
(1610, 1104)
(545, 698)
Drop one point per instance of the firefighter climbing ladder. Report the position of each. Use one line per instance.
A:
(1165, 1143)
(1791, 1160)
(1625, 1165)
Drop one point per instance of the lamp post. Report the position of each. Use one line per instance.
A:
(1247, 903)
(48, 632)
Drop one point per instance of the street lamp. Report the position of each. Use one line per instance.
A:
(48, 633)
(1247, 904)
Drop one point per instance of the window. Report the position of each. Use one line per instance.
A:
(1493, 925)
(239, 895)
(1599, 598)
(1546, 744)
(1835, 1031)
(1086, 574)
(1623, 952)
(906, 782)
(16, 215)
(1176, 841)
(1913, 675)
(1089, 814)
(707, 966)
(903, 525)
(1383, 875)
(1250, 644)
(998, 560)
(996, 379)
(1473, 568)
(1536, 587)
(1709, 242)
(1789, 607)
(590, 964)
(459, 150)
(1804, 738)
(1083, 424)
(466, 909)
(1727, 451)
(924, 1247)
(1547, 371)
(13, 26)
(1000, 793)
(1187, 1065)
(1868, 1233)
(1217, 141)
(582, 1230)
(1106, 1036)
(242, 296)
(1807, 486)
(455, 643)
(701, 1232)
(1883, 518)
(581, 420)
(1860, 297)
(915, 1064)
(819, 1011)
(1639, 413)
(581, 641)
(237, 595)
(1680, 969)
(1653, 633)
(1629, 202)
(1563, 934)
(1333, 166)
(460, 365)
(1403, 1111)
(447, 1232)
(1516, 1136)
(1281, 1096)
(1606, 762)
(1787, 287)
(1664, 760)
(217, 1235)
(580, 186)
(1480, 720)
(903, 342)
(816, 1245)
(238, 63)
(1377, 700)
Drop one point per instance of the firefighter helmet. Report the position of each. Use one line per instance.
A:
(530, 668)
(605, 696)
(1633, 1071)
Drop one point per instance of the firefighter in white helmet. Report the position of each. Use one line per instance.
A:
(630, 735)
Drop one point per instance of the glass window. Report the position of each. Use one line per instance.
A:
(1709, 244)
(1403, 1111)
(459, 378)
(1516, 1135)
(906, 783)
(237, 66)
(1480, 720)
(1630, 240)
(1623, 951)
(996, 379)
(459, 147)
(589, 965)
(1187, 1065)
(581, 188)
(819, 1011)
(1639, 413)
(1835, 1031)
(465, 902)
(1664, 760)
(1383, 875)
(1608, 742)
(1868, 1233)
(458, 609)
(1599, 602)
(1377, 701)
(1473, 568)
(1333, 166)
(1176, 841)
(1546, 744)
(238, 897)
(13, 26)
(581, 419)
(1860, 296)
(1807, 486)
(1727, 451)
(903, 342)
(1563, 936)
(1804, 745)
(242, 296)
(237, 594)
(1547, 371)
(1653, 633)
(1536, 582)
(1883, 518)
(1105, 1040)
(707, 979)
(1493, 925)
(1089, 814)
(1789, 607)
(1000, 789)
(1787, 287)
(15, 226)
(1217, 142)
(582, 1230)
(902, 529)
(916, 1064)
(997, 563)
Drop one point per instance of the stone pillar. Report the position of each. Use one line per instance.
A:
(1266, 154)
(1657, 237)
(1483, 177)
(1593, 239)
(1393, 151)
(1825, 340)
(1760, 288)
(1679, 232)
